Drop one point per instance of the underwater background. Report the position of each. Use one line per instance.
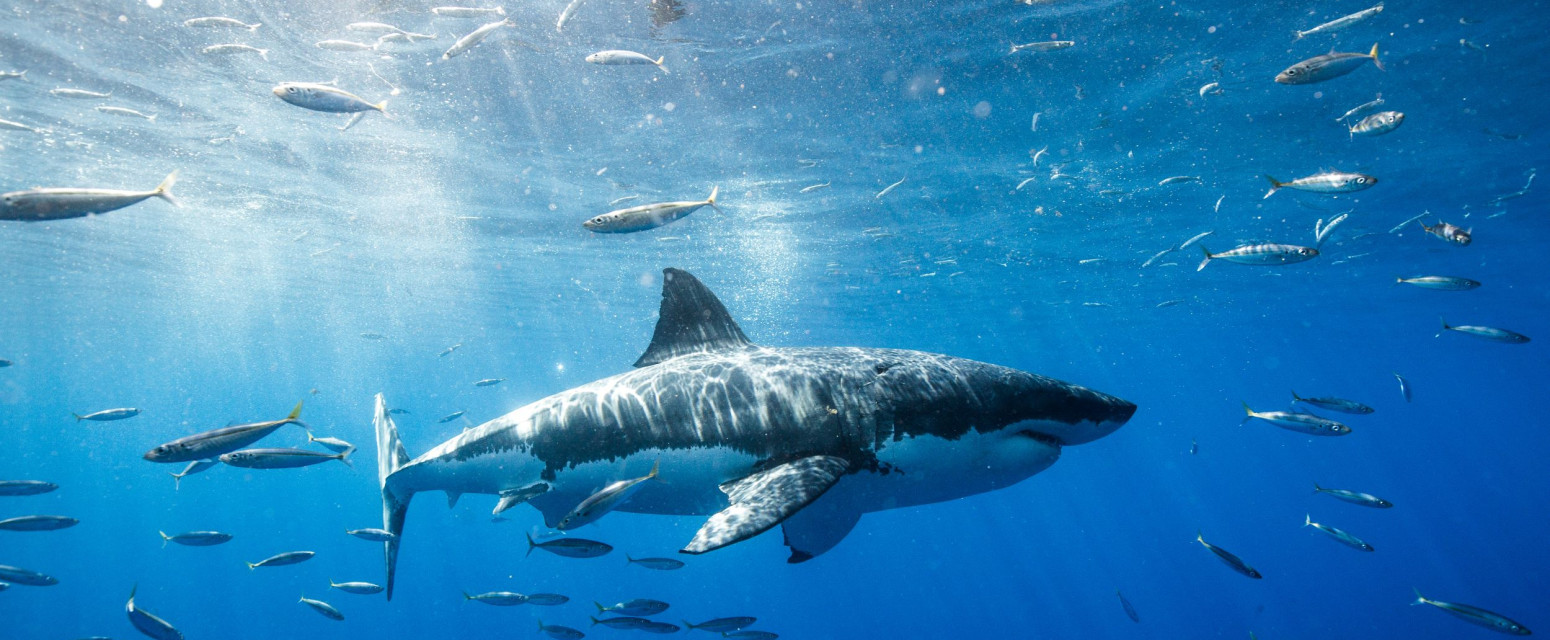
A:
(309, 263)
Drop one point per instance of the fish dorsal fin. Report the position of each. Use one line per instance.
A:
(692, 320)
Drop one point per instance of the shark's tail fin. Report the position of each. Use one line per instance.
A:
(391, 456)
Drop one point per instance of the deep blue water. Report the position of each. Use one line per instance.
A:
(458, 221)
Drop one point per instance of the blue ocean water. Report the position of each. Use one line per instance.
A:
(457, 220)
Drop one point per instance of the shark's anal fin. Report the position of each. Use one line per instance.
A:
(513, 497)
(691, 320)
(813, 531)
(554, 505)
(764, 499)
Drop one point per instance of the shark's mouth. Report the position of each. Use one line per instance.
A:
(1041, 437)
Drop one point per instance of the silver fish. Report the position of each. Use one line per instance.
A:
(1227, 557)
(220, 22)
(13, 75)
(373, 535)
(569, 547)
(599, 504)
(17, 126)
(1130, 611)
(560, 633)
(498, 598)
(148, 623)
(108, 415)
(1261, 254)
(1326, 182)
(451, 416)
(1299, 422)
(327, 610)
(1362, 108)
(636, 607)
(322, 97)
(1489, 333)
(344, 45)
(722, 625)
(1354, 497)
(489, 382)
(1377, 124)
(1342, 22)
(468, 12)
(373, 27)
(282, 559)
(1450, 233)
(1178, 179)
(25, 487)
(60, 203)
(889, 188)
(815, 187)
(1335, 404)
(1196, 238)
(623, 622)
(1440, 283)
(749, 634)
(196, 538)
(1051, 45)
(659, 564)
(281, 458)
(474, 37)
(213, 443)
(333, 444)
(18, 575)
(566, 14)
(121, 111)
(1476, 615)
(228, 49)
(617, 57)
(1340, 536)
(648, 216)
(1328, 66)
(65, 92)
(1404, 387)
(448, 351)
(547, 599)
(358, 588)
(38, 523)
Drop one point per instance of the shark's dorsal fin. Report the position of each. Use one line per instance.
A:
(692, 320)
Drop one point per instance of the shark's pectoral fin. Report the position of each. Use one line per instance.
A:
(691, 320)
(813, 531)
(764, 499)
(513, 497)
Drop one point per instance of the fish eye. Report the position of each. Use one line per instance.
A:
(1292, 71)
(1361, 181)
(290, 89)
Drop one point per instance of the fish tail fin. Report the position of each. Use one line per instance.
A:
(164, 190)
(1398, 280)
(255, 27)
(344, 457)
(1445, 326)
(531, 545)
(262, 53)
(655, 466)
(600, 608)
(164, 538)
(500, 11)
(1295, 397)
(177, 481)
(295, 413)
(381, 107)
(466, 596)
(712, 199)
(391, 457)
(689, 626)
(251, 565)
(1275, 185)
(1207, 259)
(593, 619)
(1374, 55)
(1247, 413)
(1419, 599)
(1317, 488)
(659, 62)
(1307, 520)
(78, 417)
(151, 117)
(1200, 536)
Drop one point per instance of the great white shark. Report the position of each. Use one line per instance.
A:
(805, 438)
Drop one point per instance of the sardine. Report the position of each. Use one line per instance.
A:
(1354, 497)
(618, 57)
(451, 416)
(1328, 66)
(547, 599)
(659, 564)
(560, 633)
(648, 216)
(1299, 422)
(281, 458)
(229, 49)
(566, 14)
(569, 547)
(25, 487)
(196, 538)
(1489, 333)
(66, 92)
(1261, 254)
(474, 37)
(1340, 536)
(213, 443)
(468, 12)
(1335, 404)
(1362, 108)
(1440, 283)
(18, 575)
(1404, 387)
(1130, 611)
(1050, 45)
(325, 609)
(358, 588)
(1377, 124)
(599, 504)
(108, 415)
(1476, 615)
(345, 45)
(498, 598)
(815, 187)
(1227, 557)
(60, 203)
(1449, 233)
(1342, 22)
(38, 523)
(217, 21)
(636, 607)
(148, 623)
(282, 559)
(888, 189)
(1326, 182)
(325, 98)
(489, 382)
(722, 625)
(333, 444)
(121, 111)
(373, 535)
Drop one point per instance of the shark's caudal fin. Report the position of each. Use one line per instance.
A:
(390, 457)
(691, 320)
